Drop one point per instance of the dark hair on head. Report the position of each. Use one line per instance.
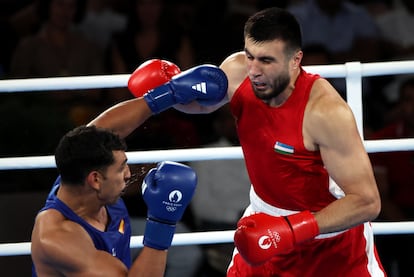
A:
(274, 24)
(84, 149)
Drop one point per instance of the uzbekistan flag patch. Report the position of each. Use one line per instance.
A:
(283, 148)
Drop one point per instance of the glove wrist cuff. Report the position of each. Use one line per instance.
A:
(160, 99)
(304, 226)
(158, 235)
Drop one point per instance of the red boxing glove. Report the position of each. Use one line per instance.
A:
(150, 75)
(260, 236)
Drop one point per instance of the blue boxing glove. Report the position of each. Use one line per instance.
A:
(207, 84)
(167, 190)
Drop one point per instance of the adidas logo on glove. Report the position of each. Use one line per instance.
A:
(201, 87)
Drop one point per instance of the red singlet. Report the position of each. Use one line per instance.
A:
(286, 176)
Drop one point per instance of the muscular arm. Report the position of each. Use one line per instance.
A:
(331, 126)
(124, 117)
(61, 247)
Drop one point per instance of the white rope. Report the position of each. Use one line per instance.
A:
(380, 228)
(64, 83)
(121, 80)
(367, 69)
(193, 154)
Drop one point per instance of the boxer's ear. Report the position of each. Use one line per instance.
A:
(297, 59)
(95, 179)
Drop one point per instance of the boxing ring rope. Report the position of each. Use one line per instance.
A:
(121, 80)
(211, 237)
(191, 154)
(353, 72)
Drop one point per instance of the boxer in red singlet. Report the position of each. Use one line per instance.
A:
(313, 190)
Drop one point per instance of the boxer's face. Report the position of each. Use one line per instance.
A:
(114, 179)
(268, 68)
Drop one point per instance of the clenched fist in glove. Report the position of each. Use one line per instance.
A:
(151, 74)
(259, 237)
(167, 190)
(206, 84)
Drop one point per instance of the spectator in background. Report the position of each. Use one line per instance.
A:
(58, 50)
(397, 28)
(222, 192)
(396, 23)
(149, 34)
(349, 32)
(25, 19)
(184, 15)
(54, 48)
(212, 26)
(101, 21)
(394, 172)
(17, 18)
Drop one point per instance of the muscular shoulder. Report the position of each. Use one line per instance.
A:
(324, 98)
(63, 247)
(52, 229)
(235, 68)
(56, 240)
(53, 220)
(327, 114)
(48, 221)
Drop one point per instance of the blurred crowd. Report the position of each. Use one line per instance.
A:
(55, 38)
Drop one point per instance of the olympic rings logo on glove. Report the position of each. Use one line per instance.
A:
(266, 241)
(171, 208)
(174, 198)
